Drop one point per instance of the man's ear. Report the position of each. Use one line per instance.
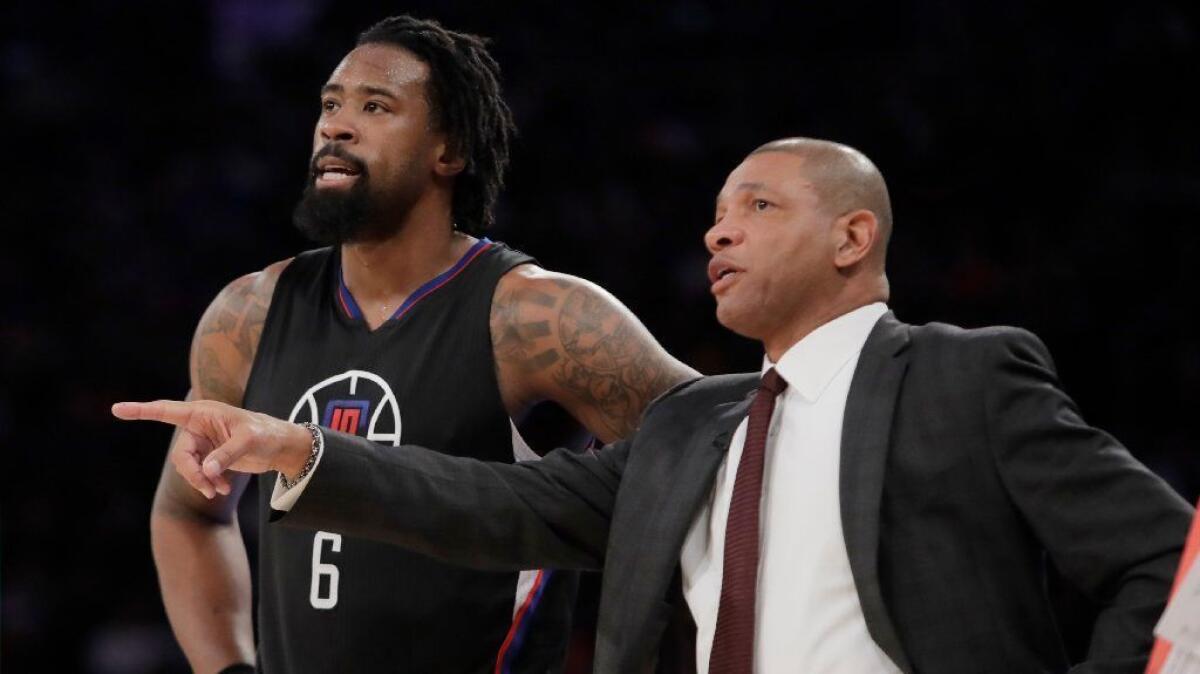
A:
(449, 162)
(857, 234)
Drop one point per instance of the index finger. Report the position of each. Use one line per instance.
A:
(167, 411)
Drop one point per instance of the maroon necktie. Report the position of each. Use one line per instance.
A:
(733, 644)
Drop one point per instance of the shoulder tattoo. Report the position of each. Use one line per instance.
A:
(227, 338)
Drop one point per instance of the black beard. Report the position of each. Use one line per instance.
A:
(332, 216)
(336, 216)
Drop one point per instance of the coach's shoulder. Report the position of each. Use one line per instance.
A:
(986, 343)
(946, 334)
(714, 389)
(703, 395)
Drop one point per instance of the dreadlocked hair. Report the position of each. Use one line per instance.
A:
(465, 103)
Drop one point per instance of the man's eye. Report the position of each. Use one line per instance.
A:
(372, 107)
(329, 105)
(761, 204)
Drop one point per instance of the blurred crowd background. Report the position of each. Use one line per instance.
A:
(1042, 160)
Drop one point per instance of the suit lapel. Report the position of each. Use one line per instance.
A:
(866, 434)
(693, 476)
(683, 465)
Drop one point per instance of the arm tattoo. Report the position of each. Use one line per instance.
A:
(213, 380)
(612, 363)
(570, 342)
(227, 339)
(240, 317)
(517, 338)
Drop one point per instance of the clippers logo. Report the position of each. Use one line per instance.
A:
(357, 402)
(347, 416)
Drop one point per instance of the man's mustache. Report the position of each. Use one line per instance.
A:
(337, 152)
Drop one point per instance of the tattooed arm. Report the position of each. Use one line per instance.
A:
(561, 338)
(198, 549)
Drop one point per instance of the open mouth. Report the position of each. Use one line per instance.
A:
(725, 279)
(722, 274)
(335, 171)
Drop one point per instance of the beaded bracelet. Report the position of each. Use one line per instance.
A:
(318, 445)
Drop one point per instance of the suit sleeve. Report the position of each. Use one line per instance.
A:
(1110, 525)
(491, 516)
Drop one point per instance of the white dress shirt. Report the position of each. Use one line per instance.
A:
(808, 617)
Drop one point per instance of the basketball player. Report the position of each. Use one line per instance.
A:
(409, 326)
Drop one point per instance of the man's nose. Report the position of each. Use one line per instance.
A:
(723, 235)
(336, 128)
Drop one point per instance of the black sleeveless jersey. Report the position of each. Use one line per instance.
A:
(329, 602)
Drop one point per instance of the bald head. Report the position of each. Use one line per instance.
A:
(843, 178)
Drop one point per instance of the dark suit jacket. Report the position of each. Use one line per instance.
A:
(964, 470)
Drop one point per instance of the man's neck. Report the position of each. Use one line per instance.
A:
(382, 274)
(801, 326)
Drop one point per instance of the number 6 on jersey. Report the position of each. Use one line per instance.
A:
(320, 570)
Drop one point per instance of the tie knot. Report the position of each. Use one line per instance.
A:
(771, 381)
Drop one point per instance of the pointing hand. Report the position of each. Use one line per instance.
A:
(216, 437)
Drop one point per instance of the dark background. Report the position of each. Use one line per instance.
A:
(1042, 163)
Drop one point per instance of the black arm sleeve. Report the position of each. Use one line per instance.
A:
(1111, 526)
(551, 513)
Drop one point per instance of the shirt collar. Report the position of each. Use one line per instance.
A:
(811, 363)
